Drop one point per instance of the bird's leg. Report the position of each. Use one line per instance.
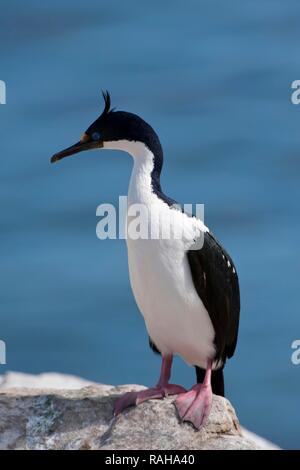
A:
(161, 390)
(195, 405)
(165, 375)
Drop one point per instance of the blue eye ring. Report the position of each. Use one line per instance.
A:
(96, 135)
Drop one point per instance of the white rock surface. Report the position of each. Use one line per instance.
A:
(45, 380)
(260, 441)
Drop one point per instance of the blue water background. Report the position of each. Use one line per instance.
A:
(213, 78)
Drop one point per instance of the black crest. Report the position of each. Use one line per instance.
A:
(107, 104)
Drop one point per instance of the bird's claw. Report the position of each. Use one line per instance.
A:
(136, 398)
(195, 405)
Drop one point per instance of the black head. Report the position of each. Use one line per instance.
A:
(114, 126)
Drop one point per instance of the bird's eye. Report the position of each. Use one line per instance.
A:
(96, 136)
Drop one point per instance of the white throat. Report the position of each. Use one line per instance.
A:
(140, 188)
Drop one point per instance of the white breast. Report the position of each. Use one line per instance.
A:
(175, 316)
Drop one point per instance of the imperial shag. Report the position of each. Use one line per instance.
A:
(188, 295)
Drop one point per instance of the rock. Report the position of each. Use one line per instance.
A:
(46, 380)
(33, 418)
(261, 442)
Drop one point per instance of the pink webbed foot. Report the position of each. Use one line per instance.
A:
(195, 405)
(135, 398)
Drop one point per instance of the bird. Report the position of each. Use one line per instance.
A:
(186, 287)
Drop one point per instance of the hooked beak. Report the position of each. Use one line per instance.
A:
(85, 143)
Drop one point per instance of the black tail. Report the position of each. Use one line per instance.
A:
(217, 380)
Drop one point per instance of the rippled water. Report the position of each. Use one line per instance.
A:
(213, 78)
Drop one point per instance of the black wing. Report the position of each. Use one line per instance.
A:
(216, 282)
